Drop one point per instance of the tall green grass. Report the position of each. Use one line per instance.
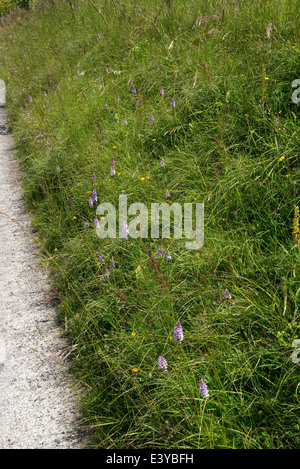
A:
(232, 143)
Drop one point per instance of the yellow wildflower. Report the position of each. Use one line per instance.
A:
(134, 370)
(281, 158)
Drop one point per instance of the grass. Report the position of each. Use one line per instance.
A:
(232, 143)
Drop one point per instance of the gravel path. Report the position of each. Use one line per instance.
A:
(38, 401)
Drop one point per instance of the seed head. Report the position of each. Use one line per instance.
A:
(296, 230)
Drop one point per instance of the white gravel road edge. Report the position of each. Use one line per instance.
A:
(38, 399)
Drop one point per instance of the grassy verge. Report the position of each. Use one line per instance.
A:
(204, 87)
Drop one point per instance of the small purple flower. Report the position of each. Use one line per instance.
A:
(30, 98)
(112, 167)
(45, 94)
(101, 258)
(162, 363)
(118, 99)
(95, 70)
(172, 102)
(133, 90)
(91, 202)
(77, 71)
(105, 105)
(162, 163)
(159, 253)
(86, 223)
(125, 230)
(152, 117)
(94, 195)
(102, 280)
(168, 256)
(112, 265)
(107, 273)
(203, 388)
(94, 177)
(162, 91)
(40, 134)
(125, 121)
(227, 294)
(167, 194)
(178, 333)
(76, 155)
(101, 78)
(58, 168)
(96, 222)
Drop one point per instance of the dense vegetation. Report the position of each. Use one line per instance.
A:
(6, 6)
(193, 98)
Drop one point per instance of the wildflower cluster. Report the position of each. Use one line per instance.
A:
(163, 364)
(108, 269)
(178, 331)
(159, 254)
